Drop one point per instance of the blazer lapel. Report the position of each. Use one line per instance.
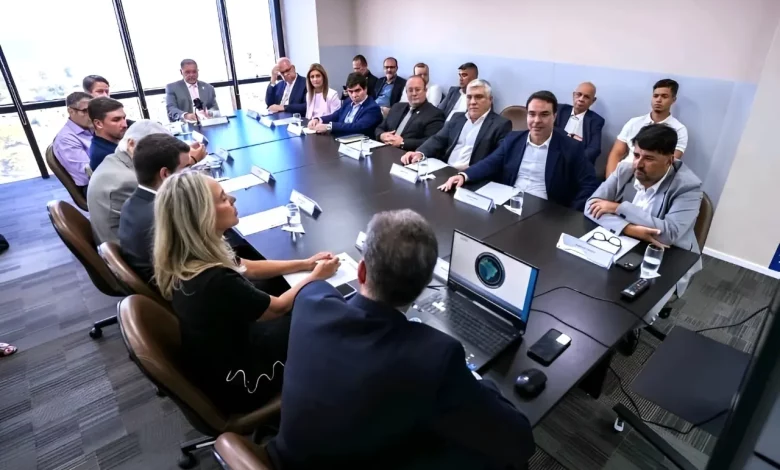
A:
(586, 127)
(486, 125)
(553, 153)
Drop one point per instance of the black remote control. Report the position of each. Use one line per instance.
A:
(635, 289)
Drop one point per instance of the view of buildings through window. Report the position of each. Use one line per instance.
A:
(88, 42)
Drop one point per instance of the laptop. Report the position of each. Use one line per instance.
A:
(486, 302)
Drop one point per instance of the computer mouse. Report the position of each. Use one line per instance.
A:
(530, 383)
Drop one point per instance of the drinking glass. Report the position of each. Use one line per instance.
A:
(516, 202)
(363, 145)
(293, 215)
(297, 118)
(652, 261)
(422, 168)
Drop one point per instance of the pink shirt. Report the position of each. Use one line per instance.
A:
(320, 106)
(193, 88)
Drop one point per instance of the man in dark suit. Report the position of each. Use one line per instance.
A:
(580, 123)
(408, 125)
(360, 115)
(455, 101)
(388, 89)
(287, 90)
(360, 65)
(366, 388)
(541, 161)
(180, 96)
(468, 137)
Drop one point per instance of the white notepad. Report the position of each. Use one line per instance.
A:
(347, 272)
(262, 221)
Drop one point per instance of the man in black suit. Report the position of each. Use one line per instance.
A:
(365, 388)
(455, 101)
(360, 65)
(408, 125)
(468, 137)
(388, 89)
(580, 123)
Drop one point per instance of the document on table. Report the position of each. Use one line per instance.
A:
(434, 164)
(347, 272)
(285, 121)
(626, 243)
(367, 145)
(262, 221)
(499, 193)
(241, 182)
(306, 130)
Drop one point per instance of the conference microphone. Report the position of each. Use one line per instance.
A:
(198, 104)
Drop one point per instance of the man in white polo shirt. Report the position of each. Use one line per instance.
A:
(664, 95)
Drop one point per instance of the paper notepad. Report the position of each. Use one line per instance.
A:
(262, 221)
(626, 243)
(499, 193)
(434, 164)
(367, 145)
(241, 182)
(347, 272)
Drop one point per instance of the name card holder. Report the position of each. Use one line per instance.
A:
(584, 250)
(473, 199)
(199, 138)
(360, 243)
(264, 175)
(213, 121)
(306, 204)
(350, 152)
(295, 129)
(252, 114)
(223, 154)
(404, 173)
(266, 121)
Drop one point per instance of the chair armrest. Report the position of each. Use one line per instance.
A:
(238, 453)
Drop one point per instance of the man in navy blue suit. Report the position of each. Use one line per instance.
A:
(542, 161)
(287, 90)
(366, 388)
(359, 116)
(580, 123)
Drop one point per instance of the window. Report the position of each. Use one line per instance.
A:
(252, 37)
(253, 95)
(75, 38)
(164, 33)
(16, 158)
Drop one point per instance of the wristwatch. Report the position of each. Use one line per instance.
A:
(330, 126)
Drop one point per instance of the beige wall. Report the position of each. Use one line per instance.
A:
(299, 22)
(747, 222)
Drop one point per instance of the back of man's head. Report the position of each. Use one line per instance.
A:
(400, 254)
(672, 85)
(100, 107)
(155, 152)
(658, 138)
(138, 131)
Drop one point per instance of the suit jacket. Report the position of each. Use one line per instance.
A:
(365, 121)
(449, 101)
(569, 178)
(178, 99)
(110, 186)
(492, 132)
(674, 208)
(297, 103)
(365, 388)
(136, 233)
(398, 89)
(592, 124)
(425, 122)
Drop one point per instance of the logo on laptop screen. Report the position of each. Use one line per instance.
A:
(489, 270)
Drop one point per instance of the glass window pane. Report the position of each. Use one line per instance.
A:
(164, 33)
(250, 31)
(74, 38)
(158, 112)
(5, 97)
(16, 158)
(253, 95)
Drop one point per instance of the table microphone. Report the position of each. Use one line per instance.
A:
(198, 106)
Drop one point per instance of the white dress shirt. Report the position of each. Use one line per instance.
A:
(530, 176)
(461, 106)
(461, 153)
(633, 126)
(433, 95)
(287, 91)
(353, 111)
(147, 189)
(574, 126)
(644, 197)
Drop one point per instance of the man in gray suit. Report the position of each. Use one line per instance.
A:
(468, 137)
(654, 198)
(179, 96)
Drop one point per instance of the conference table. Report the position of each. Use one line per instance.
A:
(572, 295)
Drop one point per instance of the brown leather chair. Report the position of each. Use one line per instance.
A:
(236, 452)
(65, 178)
(516, 114)
(704, 220)
(76, 232)
(151, 334)
(129, 280)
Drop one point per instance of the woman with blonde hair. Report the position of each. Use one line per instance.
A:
(233, 335)
(320, 100)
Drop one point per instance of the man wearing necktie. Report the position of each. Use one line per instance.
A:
(180, 96)
(408, 125)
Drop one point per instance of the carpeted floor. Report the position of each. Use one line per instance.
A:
(69, 402)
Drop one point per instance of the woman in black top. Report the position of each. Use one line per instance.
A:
(234, 336)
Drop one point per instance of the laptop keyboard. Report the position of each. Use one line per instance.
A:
(489, 336)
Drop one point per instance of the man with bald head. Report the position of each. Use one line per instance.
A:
(408, 125)
(287, 90)
(580, 123)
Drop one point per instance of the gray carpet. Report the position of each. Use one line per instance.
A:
(69, 402)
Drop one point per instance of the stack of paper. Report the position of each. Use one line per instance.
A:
(499, 193)
(240, 182)
(262, 221)
(347, 272)
(367, 145)
(434, 164)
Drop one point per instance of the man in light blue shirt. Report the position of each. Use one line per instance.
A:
(390, 87)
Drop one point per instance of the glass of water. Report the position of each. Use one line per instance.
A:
(293, 215)
(516, 202)
(652, 261)
(297, 118)
(422, 168)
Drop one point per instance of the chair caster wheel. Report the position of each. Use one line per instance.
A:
(665, 312)
(95, 333)
(187, 461)
(619, 425)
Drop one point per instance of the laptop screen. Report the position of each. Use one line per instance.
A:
(502, 280)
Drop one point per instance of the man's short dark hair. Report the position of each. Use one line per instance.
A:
(470, 65)
(544, 95)
(400, 253)
(667, 83)
(155, 152)
(391, 58)
(656, 138)
(89, 82)
(360, 58)
(188, 62)
(99, 107)
(75, 97)
(355, 79)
